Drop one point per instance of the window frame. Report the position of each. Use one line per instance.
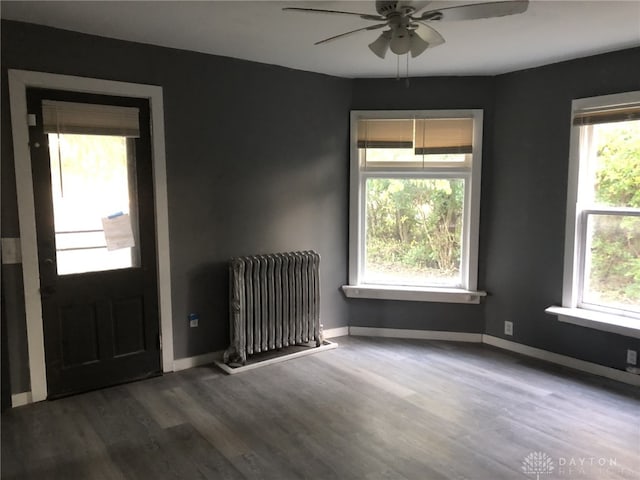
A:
(574, 309)
(467, 292)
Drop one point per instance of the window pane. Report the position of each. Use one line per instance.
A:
(75, 240)
(90, 180)
(92, 260)
(390, 157)
(406, 158)
(612, 263)
(413, 231)
(614, 164)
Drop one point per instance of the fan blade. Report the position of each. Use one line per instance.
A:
(429, 34)
(364, 16)
(381, 46)
(476, 11)
(335, 37)
(420, 5)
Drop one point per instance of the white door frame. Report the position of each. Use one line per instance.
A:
(19, 81)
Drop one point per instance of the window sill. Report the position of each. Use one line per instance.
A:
(413, 294)
(607, 322)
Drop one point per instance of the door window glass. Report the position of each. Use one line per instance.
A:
(92, 178)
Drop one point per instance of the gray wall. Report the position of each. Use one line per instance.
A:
(525, 202)
(257, 162)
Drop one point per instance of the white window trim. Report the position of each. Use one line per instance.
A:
(571, 310)
(469, 273)
(597, 320)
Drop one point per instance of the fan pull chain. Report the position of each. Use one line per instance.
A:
(407, 77)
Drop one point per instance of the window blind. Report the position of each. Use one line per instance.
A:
(424, 135)
(385, 133)
(609, 115)
(90, 119)
(443, 135)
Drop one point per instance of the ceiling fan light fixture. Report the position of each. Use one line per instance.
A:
(409, 29)
(400, 41)
(381, 45)
(418, 44)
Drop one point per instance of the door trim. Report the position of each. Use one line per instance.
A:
(19, 81)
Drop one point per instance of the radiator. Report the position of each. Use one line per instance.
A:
(274, 303)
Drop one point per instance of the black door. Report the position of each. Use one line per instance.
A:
(93, 193)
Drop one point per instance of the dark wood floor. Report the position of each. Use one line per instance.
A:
(371, 409)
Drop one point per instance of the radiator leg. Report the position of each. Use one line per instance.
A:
(233, 357)
(227, 354)
(319, 337)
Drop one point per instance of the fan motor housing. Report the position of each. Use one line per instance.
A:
(387, 7)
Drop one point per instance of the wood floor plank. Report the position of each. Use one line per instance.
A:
(81, 446)
(372, 409)
(210, 426)
(194, 450)
(155, 403)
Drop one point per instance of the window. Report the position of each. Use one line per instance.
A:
(415, 192)
(90, 180)
(602, 253)
(92, 162)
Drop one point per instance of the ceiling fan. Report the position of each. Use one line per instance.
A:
(408, 30)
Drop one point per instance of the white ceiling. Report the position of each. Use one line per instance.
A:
(550, 31)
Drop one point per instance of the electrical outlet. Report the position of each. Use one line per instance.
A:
(508, 328)
(193, 320)
(632, 357)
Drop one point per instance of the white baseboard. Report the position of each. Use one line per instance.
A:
(418, 334)
(213, 357)
(336, 332)
(252, 366)
(563, 360)
(20, 399)
(190, 362)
